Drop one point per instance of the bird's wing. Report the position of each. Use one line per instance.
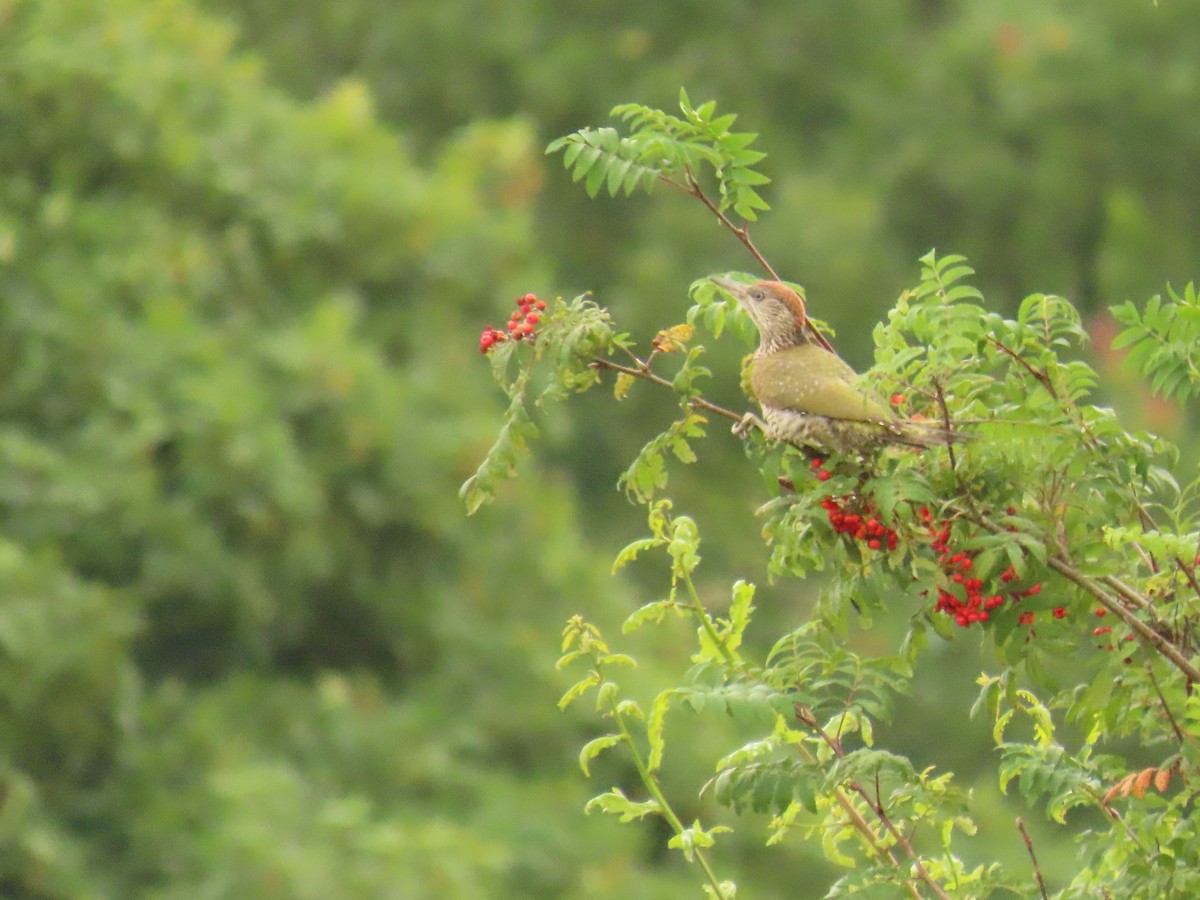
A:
(811, 380)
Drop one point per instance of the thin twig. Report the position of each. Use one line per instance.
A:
(1128, 593)
(806, 717)
(1115, 817)
(860, 824)
(1179, 733)
(691, 187)
(1040, 376)
(641, 372)
(864, 828)
(940, 394)
(1114, 605)
(1189, 574)
(902, 841)
(1037, 870)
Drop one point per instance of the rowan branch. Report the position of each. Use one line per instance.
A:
(1180, 735)
(1039, 375)
(806, 717)
(1117, 603)
(1037, 870)
(1114, 605)
(691, 187)
(641, 370)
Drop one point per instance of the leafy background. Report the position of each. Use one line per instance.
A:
(250, 644)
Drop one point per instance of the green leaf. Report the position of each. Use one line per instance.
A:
(616, 803)
(578, 689)
(606, 696)
(652, 612)
(695, 838)
(585, 160)
(631, 551)
(740, 611)
(595, 179)
(595, 747)
(654, 728)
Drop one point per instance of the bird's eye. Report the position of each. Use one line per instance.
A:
(757, 295)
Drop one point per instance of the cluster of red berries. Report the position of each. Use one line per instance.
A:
(521, 324)
(1026, 618)
(962, 596)
(861, 525)
(1102, 630)
(972, 605)
(855, 517)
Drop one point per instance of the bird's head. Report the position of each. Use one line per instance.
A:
(778, 311)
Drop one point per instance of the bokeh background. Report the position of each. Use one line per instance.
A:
(250, 645)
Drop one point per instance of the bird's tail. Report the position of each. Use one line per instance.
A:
(929, 434)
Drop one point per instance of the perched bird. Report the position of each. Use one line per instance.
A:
(809, 396)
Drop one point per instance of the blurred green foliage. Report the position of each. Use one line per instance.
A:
(251, 647)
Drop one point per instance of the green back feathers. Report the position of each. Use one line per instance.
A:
(809, 379)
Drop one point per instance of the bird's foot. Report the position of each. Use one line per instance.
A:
(742, 428)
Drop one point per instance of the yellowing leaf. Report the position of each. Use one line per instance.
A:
(673, 339)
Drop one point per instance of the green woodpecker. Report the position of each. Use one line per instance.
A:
(808, 395)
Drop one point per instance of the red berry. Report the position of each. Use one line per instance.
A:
(1025, 618)
(817, 462)
(1101, 612)
(874, 544)
(540, 304)
(823, 475)
(529, 299)
(899, 399)
(532, 318)
(1059, 612)
(1104, 630)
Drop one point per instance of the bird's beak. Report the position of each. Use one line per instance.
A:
(730, 287)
